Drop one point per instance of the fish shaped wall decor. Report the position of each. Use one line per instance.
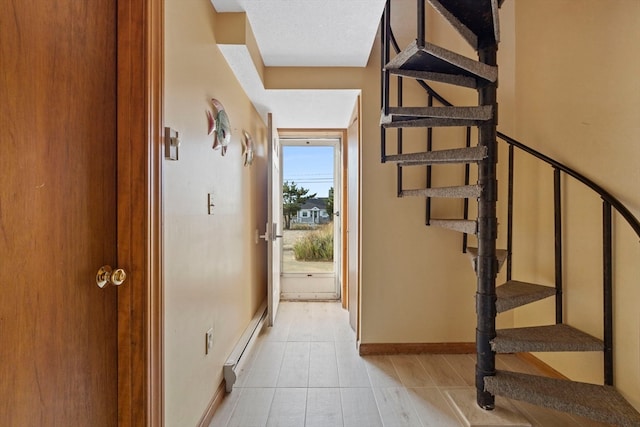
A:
(220, 126)
(247, 148)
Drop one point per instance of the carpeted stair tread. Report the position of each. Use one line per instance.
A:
(484, 112)
(397, 121)
(544, 338)
(514, 294)
(462, 79)
(461, 225)
(460, 192)
(455, 155)
(436, 59)
(436, 116)
(474, 19)
(598, 402)
(501, 254)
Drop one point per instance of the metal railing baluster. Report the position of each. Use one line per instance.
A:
(399, 141)
(510, 213)
(557, 221)
(429, 168)
(420, 39)
(384, 81)
(465, 208)
(607, 281)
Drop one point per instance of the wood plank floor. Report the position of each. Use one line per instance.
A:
(306, 371)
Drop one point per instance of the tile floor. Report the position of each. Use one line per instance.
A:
(306, 371)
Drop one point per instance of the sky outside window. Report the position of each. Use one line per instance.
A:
(309, 167)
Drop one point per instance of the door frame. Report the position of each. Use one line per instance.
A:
(336, 142)
(140, 58)
(352, 205)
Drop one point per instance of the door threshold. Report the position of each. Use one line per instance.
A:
(309, 297)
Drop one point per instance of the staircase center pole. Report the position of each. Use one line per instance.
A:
(487, 235)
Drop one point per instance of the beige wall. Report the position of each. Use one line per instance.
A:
(578, 100)
(214, 270)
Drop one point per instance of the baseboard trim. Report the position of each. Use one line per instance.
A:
(546, 369)
(213, 405)
(416, 348)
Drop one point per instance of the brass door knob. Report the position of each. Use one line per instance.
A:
(107, 276)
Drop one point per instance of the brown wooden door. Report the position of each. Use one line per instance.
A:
(58, 337)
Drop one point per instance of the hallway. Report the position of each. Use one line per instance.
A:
(306, 371)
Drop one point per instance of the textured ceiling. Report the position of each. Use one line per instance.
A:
(310, 33)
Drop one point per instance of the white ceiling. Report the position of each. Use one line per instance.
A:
(309, 33)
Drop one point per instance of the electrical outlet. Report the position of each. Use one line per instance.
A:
(208, 341)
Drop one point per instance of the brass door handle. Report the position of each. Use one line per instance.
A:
(107, 276)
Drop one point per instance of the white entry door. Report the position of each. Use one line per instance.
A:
(273, 229)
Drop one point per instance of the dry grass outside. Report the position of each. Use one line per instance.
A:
(315, 246)
(303, 227)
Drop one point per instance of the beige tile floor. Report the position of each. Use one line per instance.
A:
(306, 371)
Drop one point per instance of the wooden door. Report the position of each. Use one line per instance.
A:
(58, 352)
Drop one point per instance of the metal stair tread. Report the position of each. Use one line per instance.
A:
(455, 155)
(514, 294)
(598, 402)
(460, 192)
(461, 225)
(474, 19)
(435, 59)
(547, 338)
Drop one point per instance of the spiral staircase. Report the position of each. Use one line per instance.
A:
(477, 21)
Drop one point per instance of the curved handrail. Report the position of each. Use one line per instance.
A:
(604, 194)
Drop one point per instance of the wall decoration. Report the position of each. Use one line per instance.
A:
(219, 126)
(247, 148)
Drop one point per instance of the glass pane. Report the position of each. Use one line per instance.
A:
(307, 206)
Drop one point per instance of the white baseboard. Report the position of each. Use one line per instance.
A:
(243, 347)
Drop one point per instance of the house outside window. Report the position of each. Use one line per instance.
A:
(314, 212)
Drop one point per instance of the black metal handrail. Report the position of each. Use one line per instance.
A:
(604, 194)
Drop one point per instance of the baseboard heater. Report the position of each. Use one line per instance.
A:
(238, 356)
